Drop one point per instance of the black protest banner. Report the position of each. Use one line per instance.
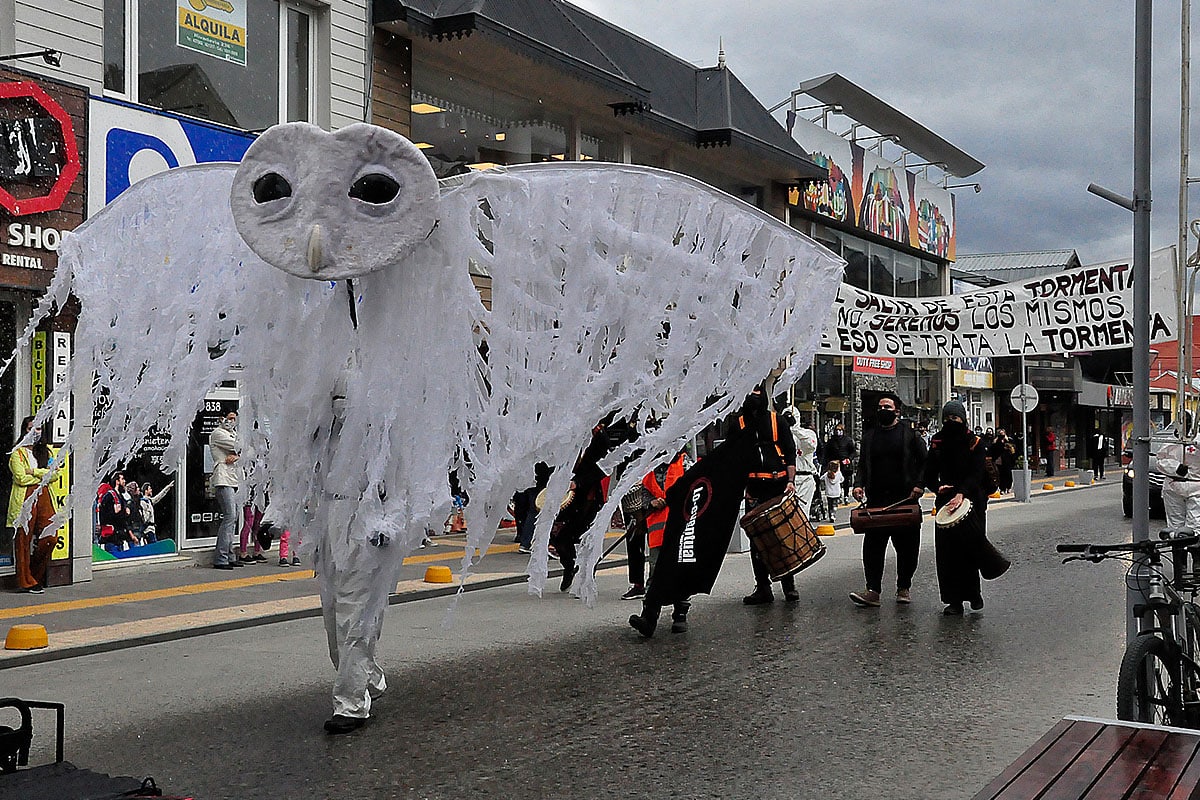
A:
(702, 510)
(1084, 309)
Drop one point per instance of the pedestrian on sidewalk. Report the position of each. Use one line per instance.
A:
(774, 476)
(225, 448)
(252, 517)
(29, 464)
(1004, 455)
(891, 469)
(288, 541)
(1050, 446)
(1099, 452)
(525, 508)
(841, 448)
(832, 483)
(954, 469)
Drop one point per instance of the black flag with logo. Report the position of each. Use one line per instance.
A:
(702, 510)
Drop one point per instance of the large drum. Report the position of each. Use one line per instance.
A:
(782, 536)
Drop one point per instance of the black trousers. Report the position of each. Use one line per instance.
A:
(907, 544)
(759, 491)
(635, 546)
(957, 558)
(1098, 466)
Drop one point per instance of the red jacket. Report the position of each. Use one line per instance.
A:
(656, 519)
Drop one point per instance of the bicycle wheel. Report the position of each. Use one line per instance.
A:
(1146, 690)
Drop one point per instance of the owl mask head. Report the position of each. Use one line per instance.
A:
(330, 206)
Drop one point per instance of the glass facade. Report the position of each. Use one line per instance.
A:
(462, 124)
(830, 392)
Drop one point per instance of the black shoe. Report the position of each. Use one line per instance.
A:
(257, 557)
(567, 577)
(759, 596)
(977, 604)
(679, 623)
(36, 589)
(953, 610)
(338, 724)
(237, 563)
(789, 590)
(222, 566)
(644, 624)
(634, 593)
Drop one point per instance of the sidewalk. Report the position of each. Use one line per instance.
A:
(178, 598)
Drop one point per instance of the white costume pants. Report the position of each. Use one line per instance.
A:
(1183, 510)
(356, 579)
(806, 487)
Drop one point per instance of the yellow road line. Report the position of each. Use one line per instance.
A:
(452, 553)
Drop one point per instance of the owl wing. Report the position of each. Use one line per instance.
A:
(628, 291)
(170, 300)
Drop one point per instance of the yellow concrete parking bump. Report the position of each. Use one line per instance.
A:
(1069, 483)
(438, 574)
(1047, 486)
(825, 529)
(26, 637)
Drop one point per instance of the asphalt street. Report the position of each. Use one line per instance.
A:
(506, 695)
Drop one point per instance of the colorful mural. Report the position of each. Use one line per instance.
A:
(831, 197)
(877, 195)
(882, 209)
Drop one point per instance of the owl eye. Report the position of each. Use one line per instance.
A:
(271, 186)
(376, 189)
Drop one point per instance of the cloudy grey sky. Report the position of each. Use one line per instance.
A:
(1040, 92)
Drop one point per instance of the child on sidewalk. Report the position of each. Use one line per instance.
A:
(832, 480)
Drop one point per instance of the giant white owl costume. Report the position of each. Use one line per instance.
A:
(335, 266)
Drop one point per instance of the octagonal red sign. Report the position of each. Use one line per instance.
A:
(52, 200)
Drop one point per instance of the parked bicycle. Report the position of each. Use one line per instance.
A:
(1159, 680)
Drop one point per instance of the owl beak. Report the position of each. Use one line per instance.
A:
(314, 249)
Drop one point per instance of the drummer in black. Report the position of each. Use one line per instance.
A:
(890, 471)
(955, 470)
(772, 477)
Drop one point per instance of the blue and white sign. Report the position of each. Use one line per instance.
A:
(127, 143)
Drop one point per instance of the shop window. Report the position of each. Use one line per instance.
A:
(462, 124)
(882, 280)
(907, 269)
(858, 271)
(929, 281)
(248, 68)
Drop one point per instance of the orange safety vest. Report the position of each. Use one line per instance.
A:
(656, 520)
(775, 443)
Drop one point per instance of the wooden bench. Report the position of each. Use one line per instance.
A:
(1103, 760)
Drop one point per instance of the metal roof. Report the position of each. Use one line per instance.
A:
(992, 268)
(708, 106)
(864, 107)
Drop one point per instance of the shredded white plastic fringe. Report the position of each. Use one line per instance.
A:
(612, 289)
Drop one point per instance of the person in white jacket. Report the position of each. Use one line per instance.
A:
(1179, 461)
(806, 448)
(226, 478)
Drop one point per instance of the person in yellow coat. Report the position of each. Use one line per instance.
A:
(32, 550)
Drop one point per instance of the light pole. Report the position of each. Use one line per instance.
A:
(1139, 204)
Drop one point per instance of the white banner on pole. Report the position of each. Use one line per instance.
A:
(1078, 310)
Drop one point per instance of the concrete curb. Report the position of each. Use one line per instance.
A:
(10, 659)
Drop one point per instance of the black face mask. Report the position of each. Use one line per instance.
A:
(886, 416)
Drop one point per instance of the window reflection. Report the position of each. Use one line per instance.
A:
(114, 45)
